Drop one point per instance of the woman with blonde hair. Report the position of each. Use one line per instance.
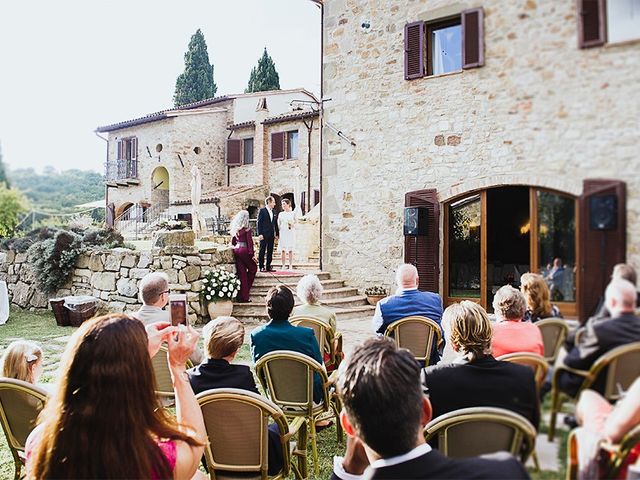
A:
(476, 379)
(242, 241)
(23, 360)
(105, 420)
(536, 293)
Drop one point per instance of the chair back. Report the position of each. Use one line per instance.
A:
(620, 454)
(236, 422)
(469, 432)
(554, 332)
(622, 366)
(163, 375)
(20, 404)
(287, 378)
(322, 331)
(537, 362)
(417, 334)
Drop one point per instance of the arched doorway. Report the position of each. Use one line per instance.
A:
(160, 186)
(493, 236)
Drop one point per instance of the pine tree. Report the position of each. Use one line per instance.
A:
(264, 76)
(196, 82)
(4, 180)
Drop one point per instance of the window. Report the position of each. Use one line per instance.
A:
(623, 20)
(292, 144)
(247, 151)
(600, 22)
(443, 46)
(126, 165)
(128, 148)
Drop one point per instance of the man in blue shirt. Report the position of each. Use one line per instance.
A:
(408, 301)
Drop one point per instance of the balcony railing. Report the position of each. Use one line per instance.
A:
(121, 170)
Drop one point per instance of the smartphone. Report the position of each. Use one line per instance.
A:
(178, 306)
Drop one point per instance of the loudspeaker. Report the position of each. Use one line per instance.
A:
(416, 221)
(603, 212)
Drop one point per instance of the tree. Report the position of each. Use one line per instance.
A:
(264, 76)
(196, 82)
(12, 204)
(4, 180)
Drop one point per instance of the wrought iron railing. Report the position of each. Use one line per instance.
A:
(121, 170)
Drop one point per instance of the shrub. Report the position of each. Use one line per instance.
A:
(103, 237)
(377, 290)
(219, 285)
(22, 244)
(54, 259)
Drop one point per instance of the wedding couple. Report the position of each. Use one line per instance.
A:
(271, 227)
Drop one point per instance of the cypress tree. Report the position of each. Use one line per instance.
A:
(264, 76)
(196, 82)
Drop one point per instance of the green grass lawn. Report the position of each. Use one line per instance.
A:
(42, 328)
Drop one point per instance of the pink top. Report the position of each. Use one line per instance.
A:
(168, 448)
(511, 337)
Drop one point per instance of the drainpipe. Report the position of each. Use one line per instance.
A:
(320, 118)
(309, 132)
(106, 187)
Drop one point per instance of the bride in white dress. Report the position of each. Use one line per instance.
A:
(287, 226)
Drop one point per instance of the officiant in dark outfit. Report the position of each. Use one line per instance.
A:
(267, 233)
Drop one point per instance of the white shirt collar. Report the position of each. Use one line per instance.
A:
(405, 457)
(400, 289)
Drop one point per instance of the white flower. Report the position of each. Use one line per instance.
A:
(224, 289)
(204, 280)
(208, 297)
(229, 294)
(221, 294)
(207, 272)
(214, 284)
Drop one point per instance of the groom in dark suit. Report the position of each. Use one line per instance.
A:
(267, 233)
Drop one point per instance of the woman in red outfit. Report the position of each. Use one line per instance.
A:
(242, 242)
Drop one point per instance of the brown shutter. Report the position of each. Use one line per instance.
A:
(120, 150)
(592, 20)
(472, 38)
(233, 152)
(316, 197)
(277, 146)
(414, 50)
(599, 250)
(303, 202)
(424, 251)
(134, 148)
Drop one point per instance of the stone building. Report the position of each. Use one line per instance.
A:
(514, 126)
(246, 147)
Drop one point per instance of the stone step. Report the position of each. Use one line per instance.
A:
(327, 285)
(365, 312)
(257, 295)
(257, 308)
(264, 279)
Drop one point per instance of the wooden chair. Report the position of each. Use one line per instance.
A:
(469, 432)
(621, 366)
(287, 378)
(537, 362)
(163, 377)
(236, 422)
(554, 332)
(330, 344)
(417, 334)
(20, 404)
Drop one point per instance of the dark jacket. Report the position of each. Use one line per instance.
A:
(281, 335)
(218, 373)
(266, 227)
(485, 382)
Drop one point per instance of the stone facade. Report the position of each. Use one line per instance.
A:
(540, 112)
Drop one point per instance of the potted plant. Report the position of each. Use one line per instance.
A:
(219, 289)
(375, 294)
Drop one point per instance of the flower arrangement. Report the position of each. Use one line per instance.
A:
(219, 285)
(376, 291)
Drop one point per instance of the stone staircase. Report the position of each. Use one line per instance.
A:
(342, 299)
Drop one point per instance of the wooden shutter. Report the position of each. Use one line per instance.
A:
(592, 20)
(472, 38)
(134, 148)
(277, 146)
(120, 150)
(110, 214)
(414, 50)
(303, 202)
(233, 152)
(316, 197)
(424, 251)
(599, 250)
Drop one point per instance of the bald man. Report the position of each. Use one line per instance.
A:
(408, 301)
(601, 336)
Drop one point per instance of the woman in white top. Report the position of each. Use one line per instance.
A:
(286, 225)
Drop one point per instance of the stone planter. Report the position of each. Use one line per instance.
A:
(373, 299)
(223, 308)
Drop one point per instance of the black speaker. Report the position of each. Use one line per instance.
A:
(416, 221)
(603, 212)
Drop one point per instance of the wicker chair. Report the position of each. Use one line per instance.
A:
(236, 422)
(417, 334)
(163, 377)
(329, 344)
(287, 378)
(469, 432)
(621, 367)
(536, 362)
(20, 404)
(554, 332)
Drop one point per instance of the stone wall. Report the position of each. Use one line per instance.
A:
(113, 276)
(541, 112)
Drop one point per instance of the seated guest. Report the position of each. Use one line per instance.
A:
(599, 336)
(279, 334)
(408, 301)
(510, 334)
(23, 360)
(384, 415)
(105, 405)
(602, 421)
(625, 272)
(477, 379)
(538, 297)
(223, 338)
(154, 295)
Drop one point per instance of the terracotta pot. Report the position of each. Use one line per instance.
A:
(373, 299)
(222, 308)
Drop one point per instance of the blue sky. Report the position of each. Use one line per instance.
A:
(68, 66)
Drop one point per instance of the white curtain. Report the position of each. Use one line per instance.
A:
(438, 64)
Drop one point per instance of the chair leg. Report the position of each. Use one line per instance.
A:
(303, 460)
(314, 446)
(536, 462)
(555, 397)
